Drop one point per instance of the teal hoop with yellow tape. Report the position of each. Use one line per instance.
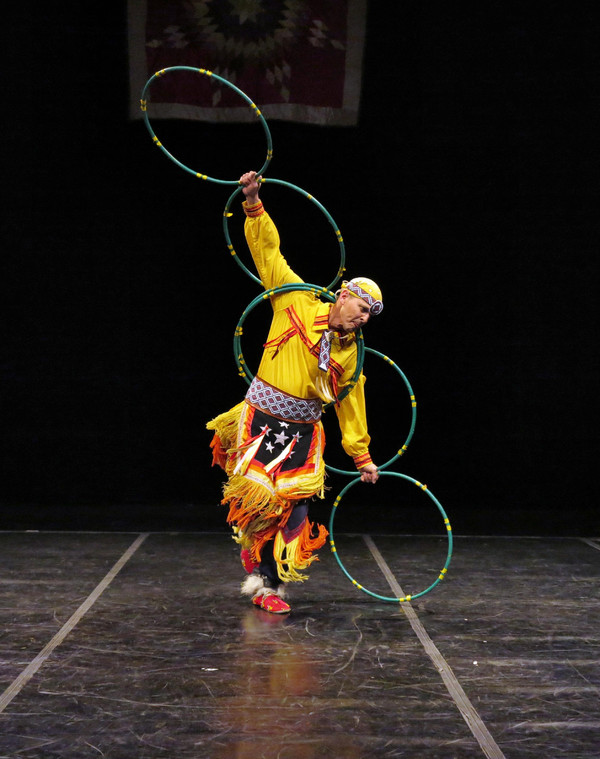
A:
(448, 528)
(282, 183)
(413, 403)
(145, 100)
(322, 292)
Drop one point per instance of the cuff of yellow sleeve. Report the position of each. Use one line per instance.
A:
(362, 461)
(252, 211)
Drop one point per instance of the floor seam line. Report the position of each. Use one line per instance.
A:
(470, 715)
(32, 668)
(591, 543)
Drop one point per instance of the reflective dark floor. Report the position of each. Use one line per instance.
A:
(122, 645)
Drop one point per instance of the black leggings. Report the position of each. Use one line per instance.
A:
(268, 565)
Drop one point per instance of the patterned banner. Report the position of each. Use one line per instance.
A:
(297, 60)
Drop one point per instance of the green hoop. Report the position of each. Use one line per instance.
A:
(401, 451)
(227, 215)
(393, 599)
(204, 72)
(243, 370)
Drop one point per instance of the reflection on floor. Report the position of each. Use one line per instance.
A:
(119, 645)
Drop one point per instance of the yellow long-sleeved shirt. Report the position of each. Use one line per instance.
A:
(290, 359)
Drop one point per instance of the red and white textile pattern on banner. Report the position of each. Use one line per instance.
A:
(298, 60)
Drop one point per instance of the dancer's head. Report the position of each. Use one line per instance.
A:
(357, 299)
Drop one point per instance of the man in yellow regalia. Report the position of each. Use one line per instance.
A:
(271, 444)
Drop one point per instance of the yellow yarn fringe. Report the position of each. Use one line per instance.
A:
(251, 507)
(225, 427)
(297, 555)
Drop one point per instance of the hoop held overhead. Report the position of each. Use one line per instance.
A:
(203, 72)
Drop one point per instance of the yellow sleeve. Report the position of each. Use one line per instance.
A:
(263, 240)
(352, 418)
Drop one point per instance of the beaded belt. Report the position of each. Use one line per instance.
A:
(280, 404)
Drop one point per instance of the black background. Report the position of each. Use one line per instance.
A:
(468, 189)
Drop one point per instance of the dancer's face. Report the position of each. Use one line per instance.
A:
(349, 313)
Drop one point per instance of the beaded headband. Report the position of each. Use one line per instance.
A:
(376, 306)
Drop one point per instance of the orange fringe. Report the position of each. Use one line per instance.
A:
(251, 506)
(297, 555)
(219, 454)
(225, 428)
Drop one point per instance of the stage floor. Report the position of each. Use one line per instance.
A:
(123, 645)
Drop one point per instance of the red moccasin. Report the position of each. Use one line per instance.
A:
(272, 603)
(247, 562)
